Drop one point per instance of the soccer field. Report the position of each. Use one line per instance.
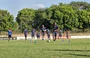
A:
(77, 48)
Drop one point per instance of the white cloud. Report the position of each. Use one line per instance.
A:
(38, 6)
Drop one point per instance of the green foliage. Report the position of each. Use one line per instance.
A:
(67, 16)
(25, 18)
(6, 20)
(80, 5)
(43, 17)
(83, 18)
(75, 15)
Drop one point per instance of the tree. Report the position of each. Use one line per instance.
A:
(83, 18)
(79, 5)
(6, 20)
(25, 18)
(68, 16)
(42, 17)
(65, 16)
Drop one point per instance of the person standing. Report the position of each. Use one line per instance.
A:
(60, 33)
(55, 30)
(67, 35)
(33, 34)
(48, 35)
(38, 34)
(9, 34)
(43, 31)
(25, 33)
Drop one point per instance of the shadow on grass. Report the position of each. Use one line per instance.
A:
(67, 50)
(80, 55)
(71, 51)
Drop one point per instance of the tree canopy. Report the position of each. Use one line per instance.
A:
(25, 18)
(75, 15)
(6, 21)
(68, 16)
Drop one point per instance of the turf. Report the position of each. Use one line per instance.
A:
(76, 48)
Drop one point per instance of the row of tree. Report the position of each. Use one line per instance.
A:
(75, 15)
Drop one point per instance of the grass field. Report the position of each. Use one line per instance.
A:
(77, 48)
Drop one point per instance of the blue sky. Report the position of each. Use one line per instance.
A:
(13, 6)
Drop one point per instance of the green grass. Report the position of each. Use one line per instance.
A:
(77, 48)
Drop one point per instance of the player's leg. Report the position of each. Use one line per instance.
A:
(59, 36)
(67, 37)
(9, 37)
(31, 38)
(34, 39)
(25, 36)
(43, 35)
(62, 37)
(55, 36)
(48, 38)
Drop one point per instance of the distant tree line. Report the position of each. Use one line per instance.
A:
(73, 16)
